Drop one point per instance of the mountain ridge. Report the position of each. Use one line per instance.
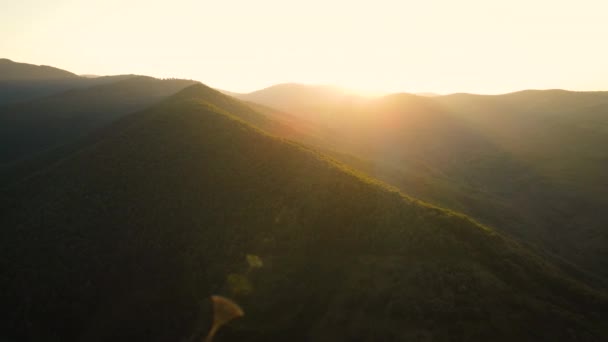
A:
(443, 150)
(162, 211)
(30, 128)
(10, 70)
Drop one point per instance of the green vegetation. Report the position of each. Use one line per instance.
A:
(127, 239)
(531, 164)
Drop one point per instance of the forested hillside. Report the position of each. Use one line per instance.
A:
(127, 238)
(530, 164)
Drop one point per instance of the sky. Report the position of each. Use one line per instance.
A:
(442, 46)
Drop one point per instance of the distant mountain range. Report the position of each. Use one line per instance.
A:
(140, 198)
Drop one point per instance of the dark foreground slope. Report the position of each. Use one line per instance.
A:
(126, 240)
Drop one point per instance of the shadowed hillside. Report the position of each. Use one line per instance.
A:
(13, 71)
(20, 82)
(20, 91)
(127, 238)
(35, 126)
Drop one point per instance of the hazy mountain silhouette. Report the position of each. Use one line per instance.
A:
(230, 93)
(25, 90)
(316, 103)
(13, 71)
(21, 82)
(428, 94)
(140, 226)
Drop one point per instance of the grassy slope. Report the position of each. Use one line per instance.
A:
(126, 239)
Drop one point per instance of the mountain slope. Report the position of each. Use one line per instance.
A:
(557, 136)
(528, 163)
(10, 70)
(35, 126)
(125, 239)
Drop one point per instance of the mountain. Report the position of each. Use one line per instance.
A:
(13, 71)
(21, 82)
(555, 136)
(314, 103)
(127, 238)
(230, 93)
(428, 94)
(29, 128)
(12, 92)
(528, 163)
